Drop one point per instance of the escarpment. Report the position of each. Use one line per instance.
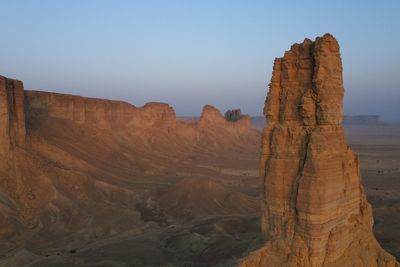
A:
(100, 113)
(69, 164)
(314, 210)
(12, 115)
(117, 115)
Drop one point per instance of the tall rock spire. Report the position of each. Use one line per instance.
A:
(315, 212)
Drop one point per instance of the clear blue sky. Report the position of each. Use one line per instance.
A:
(189, 53)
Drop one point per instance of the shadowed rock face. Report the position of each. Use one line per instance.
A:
(101, 113)
(233, 114)
(315, 212)
(12, 115)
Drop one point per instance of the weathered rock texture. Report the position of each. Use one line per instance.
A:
(315, 212)
(12, 115)
(101, 113)
(72, 169)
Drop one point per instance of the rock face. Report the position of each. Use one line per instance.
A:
(314, 210)
(101, 113)
(12, 115)
(212, 116)
(75, 170)
(233, 114)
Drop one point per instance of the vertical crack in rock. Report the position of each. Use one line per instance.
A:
(296, 182)
(315, 212)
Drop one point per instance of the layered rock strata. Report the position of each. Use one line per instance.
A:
(314, 210)
(117, 115)
(69, 164)
(101, 113)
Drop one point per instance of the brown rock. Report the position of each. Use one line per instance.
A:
(12, 115)
(211, 115)
(233, 114)
(232, 118)
(101, 113)
(89, 161)
(315, 212)
(104, 114)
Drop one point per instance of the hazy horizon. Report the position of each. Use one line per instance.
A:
(191, 54)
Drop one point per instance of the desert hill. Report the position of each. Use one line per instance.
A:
(75, 170)
(93, 182)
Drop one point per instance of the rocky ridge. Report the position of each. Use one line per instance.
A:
(68, 164)
(109, 114)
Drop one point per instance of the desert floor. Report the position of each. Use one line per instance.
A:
(188, 223)
(379, 151)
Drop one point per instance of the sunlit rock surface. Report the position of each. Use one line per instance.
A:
(315, 212)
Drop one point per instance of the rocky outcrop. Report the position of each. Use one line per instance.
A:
(212, 116)
(155, 124)
(12, 114)
(233, 114)
(315, 212)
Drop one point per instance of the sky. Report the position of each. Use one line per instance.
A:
(192, 53)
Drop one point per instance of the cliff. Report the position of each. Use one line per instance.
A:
(108, 114)
(315, 212)
(73, 168)
(12, 114)
(100, 113)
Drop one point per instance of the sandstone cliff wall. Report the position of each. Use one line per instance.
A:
(108, 114)
(101, 113)
(12, 115)
(315, 212)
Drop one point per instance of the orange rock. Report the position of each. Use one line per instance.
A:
(315, 212)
